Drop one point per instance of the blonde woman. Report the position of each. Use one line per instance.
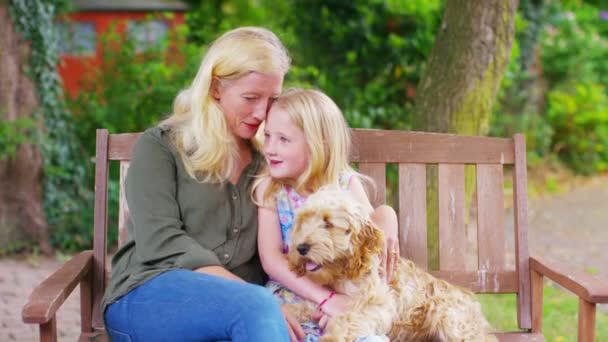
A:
(306, 146)
(189, 269)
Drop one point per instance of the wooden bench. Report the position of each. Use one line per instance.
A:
(373, 150)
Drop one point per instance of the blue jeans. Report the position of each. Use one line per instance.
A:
(183, 305)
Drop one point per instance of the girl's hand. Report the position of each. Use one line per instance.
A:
(386, 219)
(335, 305)
(323, 321)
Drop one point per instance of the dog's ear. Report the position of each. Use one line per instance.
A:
(366, 243)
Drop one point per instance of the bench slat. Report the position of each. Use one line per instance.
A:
(381, 146)
(490, 217)
(377, 172)
(123, 209)
(452, 240)
(412, 213)
(481, 281)
(120, 146)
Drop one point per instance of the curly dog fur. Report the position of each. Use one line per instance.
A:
(335, 243)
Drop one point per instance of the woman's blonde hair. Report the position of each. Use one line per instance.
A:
(197, 126)
(327, 136)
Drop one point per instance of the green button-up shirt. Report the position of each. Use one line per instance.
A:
(176, 222)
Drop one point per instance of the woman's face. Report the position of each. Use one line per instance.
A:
(245, 101)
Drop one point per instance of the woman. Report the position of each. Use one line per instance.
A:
(192, 224)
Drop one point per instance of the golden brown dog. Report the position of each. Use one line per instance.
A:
(335, 243)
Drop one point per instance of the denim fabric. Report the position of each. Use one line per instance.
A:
(183, 305)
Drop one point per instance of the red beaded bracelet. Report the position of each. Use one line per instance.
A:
(331, 294)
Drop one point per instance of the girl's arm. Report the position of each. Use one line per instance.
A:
(274, 262)
(386, 219)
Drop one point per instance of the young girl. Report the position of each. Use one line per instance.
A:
(306, 146)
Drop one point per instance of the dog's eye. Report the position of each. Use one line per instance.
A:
(327, 224)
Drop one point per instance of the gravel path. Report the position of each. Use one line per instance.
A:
(571, 228)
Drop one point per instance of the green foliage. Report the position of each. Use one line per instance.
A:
(367, 55)
(555, 92)
(579, 116)
(572, 47)
(207, 19)
(559, 307)
(536, 128)
(66, 197)
(12, 134)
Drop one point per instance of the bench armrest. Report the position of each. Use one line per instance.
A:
(585, 286)
(54, 290)
(590, 291)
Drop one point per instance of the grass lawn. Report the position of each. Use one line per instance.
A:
(560, 314)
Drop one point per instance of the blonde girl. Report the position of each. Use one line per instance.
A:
(306, 145)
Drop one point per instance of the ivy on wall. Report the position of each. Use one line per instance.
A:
(66, 196)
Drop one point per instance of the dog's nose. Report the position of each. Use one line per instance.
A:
(303, 248)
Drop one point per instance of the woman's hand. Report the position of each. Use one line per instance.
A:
(386, 219)
(293, 327)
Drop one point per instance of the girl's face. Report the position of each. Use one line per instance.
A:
(245, 101)
(285, 146)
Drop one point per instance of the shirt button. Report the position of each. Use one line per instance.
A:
(235, 230)
(226, 256)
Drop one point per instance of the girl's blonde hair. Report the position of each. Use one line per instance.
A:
(327, 136)
(197, 126)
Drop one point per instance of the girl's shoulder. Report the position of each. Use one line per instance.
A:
(345, 178)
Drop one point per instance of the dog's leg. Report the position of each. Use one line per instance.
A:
(302, 311)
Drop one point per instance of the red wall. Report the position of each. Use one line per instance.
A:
(72, 68)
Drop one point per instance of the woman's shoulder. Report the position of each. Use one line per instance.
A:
(155, 136)
(154, 141)
(156, 132)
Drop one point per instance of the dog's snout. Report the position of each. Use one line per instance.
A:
(303, 248)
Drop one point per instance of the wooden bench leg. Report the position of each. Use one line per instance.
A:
(86, 304)
(48, 331)
(586, 321)
(537, 301)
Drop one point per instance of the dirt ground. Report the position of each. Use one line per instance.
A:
(571, 228)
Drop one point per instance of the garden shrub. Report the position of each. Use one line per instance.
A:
(579, 117)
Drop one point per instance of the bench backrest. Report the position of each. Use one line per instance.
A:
(475, 261)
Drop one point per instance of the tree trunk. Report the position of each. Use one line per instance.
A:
(463, 74)
(22, 218)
